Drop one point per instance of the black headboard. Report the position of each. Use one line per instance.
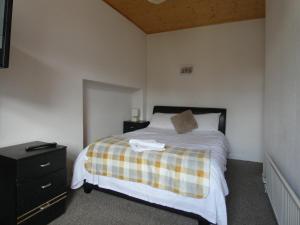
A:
(195, 110)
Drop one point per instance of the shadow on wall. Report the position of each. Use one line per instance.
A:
(32, 99)
(28, 80)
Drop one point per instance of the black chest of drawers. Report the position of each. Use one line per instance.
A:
(33, 186)
(129, 126)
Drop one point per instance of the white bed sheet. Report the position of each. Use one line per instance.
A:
(212, 208)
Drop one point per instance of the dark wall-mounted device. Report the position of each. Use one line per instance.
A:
(5, 28)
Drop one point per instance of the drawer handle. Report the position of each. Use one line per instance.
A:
(46, 186)
(45, 165)
(45, 207)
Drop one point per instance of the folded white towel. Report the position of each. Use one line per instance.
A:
(143, 149)
(147, 143)
(140, 145)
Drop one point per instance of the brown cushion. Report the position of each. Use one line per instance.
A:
(184, 122)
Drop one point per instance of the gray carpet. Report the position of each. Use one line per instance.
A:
(247, 204)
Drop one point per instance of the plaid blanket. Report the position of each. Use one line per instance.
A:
(179, 170)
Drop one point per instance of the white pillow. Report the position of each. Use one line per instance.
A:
(162, 121)
(208, 121)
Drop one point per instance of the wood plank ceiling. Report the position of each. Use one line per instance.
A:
(180, 14)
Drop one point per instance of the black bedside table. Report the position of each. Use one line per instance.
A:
(129, 126)
(33, 188)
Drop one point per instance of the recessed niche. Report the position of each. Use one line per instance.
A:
(105, 107)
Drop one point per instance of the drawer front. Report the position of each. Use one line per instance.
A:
(41, 165)
(129, 128)
(44, 214)
(34, 193)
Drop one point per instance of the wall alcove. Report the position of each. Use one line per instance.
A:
(105, 107)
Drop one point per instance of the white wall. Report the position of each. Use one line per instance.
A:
(282, 92)
(105, 108)
(55, 45)
(228, 64)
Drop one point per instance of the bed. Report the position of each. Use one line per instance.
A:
(209, 210)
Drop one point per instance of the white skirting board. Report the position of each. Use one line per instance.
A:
(285, 203)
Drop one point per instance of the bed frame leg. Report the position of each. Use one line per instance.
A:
(87, 188)
(201, 221)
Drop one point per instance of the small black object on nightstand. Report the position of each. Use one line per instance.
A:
(33, 188)
(129, 126)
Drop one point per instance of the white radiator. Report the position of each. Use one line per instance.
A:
(285, 203)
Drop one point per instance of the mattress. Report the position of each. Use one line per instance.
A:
(211, 208)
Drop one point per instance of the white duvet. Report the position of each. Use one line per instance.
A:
(212, 208)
